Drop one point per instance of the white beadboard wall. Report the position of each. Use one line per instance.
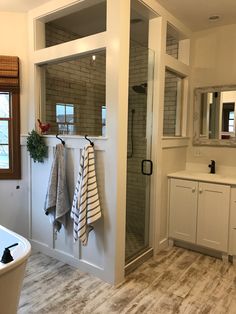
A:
(61, 245)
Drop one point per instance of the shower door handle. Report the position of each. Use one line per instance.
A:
(144, 161)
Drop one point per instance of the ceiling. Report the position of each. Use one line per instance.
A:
(193, 13)
(20, 5)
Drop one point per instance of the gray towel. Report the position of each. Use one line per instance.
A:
(57, 201)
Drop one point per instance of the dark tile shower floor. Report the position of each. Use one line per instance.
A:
(134, 243)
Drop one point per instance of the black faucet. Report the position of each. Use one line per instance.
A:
(6, 257)
(212, 166)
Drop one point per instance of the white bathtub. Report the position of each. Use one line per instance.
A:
(12, 274)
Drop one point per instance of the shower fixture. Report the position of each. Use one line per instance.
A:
(140, 89)
(130, 155)
(135, 21)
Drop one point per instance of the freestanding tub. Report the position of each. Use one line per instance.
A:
(12, 273)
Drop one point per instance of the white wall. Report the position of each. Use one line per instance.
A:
(14, 202)
(213, 61)
(14, 42)
(169, 154)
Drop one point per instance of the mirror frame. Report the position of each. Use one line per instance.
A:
(197, 140)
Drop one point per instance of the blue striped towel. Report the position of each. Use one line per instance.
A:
(86, 206)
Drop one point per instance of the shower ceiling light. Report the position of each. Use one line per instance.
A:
(214, 18)
(135, 21)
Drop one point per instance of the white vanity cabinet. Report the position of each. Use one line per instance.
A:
(213, 216)
(232, 226)
(183, 210)
(199, 213)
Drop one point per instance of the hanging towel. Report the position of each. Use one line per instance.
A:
(57, 201)
(86, 206)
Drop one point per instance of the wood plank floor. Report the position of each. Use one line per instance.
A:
(175, 281)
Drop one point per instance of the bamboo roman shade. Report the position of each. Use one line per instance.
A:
(9, 71)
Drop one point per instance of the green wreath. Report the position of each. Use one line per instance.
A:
(36, 146)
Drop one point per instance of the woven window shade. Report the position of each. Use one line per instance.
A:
(9, 71)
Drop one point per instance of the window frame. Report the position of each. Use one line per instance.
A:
(14, 170)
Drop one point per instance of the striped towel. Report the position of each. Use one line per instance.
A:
(86, 206)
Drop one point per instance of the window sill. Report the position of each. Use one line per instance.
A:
(72, 141)
(174, 141)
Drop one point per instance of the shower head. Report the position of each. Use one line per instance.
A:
(140, 89)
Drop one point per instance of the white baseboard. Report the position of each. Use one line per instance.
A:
(69, 259)
(163, 244)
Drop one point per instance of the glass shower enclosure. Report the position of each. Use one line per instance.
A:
(139, 164)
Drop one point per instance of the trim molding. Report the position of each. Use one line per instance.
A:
(170, 142)
(163, 244)
(68, 259)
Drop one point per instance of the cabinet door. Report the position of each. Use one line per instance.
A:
(232, 227)
(183, 210)
(213, 216)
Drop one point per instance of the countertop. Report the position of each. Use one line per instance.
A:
(205, 177)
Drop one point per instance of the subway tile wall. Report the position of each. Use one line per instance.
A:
(170, 97)
(80, 82)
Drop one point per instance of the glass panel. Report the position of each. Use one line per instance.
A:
(139, 148)
(3, 132)
(172, 105)
(231, 115)
(79, 24)
(60, 113)
(104, 118)
(4, 157)
(75, 93)
(172, 42)
(177, 45)
(4, 105)
(62, 128)
(71, 129)
(69, 113)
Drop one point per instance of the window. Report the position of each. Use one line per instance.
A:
(4, 129)
(104, 117)
(172, 42)
(177, 45)
(228, 117)
(73, 93)
(231, 121)
(65, 118)
(172, 105)
(80, 23)
(10, 160)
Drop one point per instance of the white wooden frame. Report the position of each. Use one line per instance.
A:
(116, 42)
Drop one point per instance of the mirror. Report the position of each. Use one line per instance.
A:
(215, 116)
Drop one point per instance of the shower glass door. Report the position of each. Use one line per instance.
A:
(139, 164)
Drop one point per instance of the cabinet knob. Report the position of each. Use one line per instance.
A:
(200, 190)
(193, 190)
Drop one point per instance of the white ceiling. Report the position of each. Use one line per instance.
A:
(20, 5)
(195, 13)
